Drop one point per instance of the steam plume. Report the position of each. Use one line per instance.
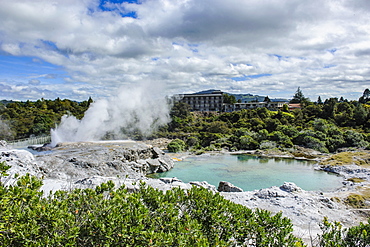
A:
(131, 109)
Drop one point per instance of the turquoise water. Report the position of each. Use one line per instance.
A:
(251, 172)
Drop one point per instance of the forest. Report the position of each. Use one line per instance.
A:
(24, 119)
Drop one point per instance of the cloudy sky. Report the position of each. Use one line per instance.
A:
(80, 48)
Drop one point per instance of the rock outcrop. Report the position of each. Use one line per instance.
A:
(78, 161)
(81, 160)
(224, 186)
(306, 209)
(21, 162)
(348, 171)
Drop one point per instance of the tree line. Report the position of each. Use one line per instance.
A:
(24, 119)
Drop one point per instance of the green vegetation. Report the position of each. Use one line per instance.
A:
(105, 216)
(356, 180)
(229, 98)
(347, 158)
(326, 127)
(355, 200)
(176, 145)
(23, 119)
(334, 235)
(360, 199)
(148, 217)
(299, 97)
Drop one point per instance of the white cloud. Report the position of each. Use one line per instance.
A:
(190, 45)
(34, 82)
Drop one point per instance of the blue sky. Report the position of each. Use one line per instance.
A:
(77, 49)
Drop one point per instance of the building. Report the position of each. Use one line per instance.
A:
(272, 105)
(210, 100)
(292, 107)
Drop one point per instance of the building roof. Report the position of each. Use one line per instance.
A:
(209, 91)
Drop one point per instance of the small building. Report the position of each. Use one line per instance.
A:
(292, 107)
(272, 105)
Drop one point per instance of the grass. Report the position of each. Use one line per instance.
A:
(360, 200)
(356, 180)
(348, 158)
(355, 201)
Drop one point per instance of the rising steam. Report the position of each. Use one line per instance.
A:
(133, 109)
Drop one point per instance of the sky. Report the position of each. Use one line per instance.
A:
(80, 48)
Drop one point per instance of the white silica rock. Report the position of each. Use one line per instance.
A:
(21, 162)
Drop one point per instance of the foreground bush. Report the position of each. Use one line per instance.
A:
(149, 217)
(334, 235)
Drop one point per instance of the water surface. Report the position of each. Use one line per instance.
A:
(251, 172)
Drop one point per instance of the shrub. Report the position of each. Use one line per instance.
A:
(209, 138)
(355, 139)
(268, 145)
(192, 141)
(148, 217)
(334, 142)
(314, 143)
(290, 131)
(281, 139)
(176, 145)
(334, 235)
(247, 142)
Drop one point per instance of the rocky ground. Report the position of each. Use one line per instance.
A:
(85, 165)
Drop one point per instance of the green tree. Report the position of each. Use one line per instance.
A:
(281, 139)
(180, 110)
(285, 108)
(229, 98)
(299, 97)
(218, 127)
(329, 108)
(365, 96)
(343, 115)
(355, 139)
(247, 142)
(361, 115)
(319, 101)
